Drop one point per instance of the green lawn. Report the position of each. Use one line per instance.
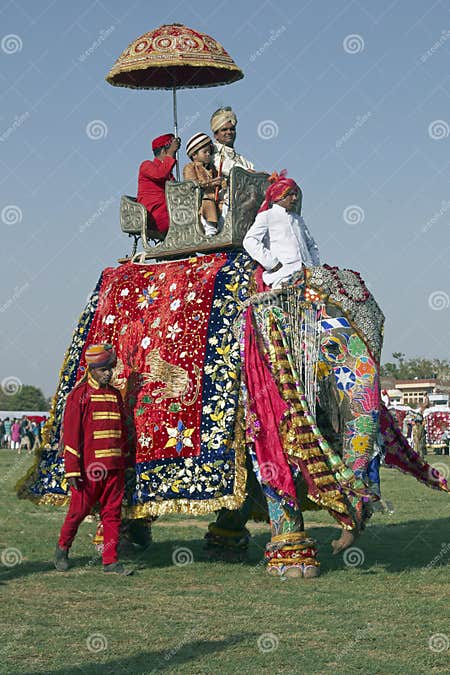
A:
(388, 614)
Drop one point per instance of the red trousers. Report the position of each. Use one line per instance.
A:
(108, 491)
(159, 218)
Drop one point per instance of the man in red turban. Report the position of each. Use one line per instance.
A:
(152, 179)
(279, 239)
(279, 187)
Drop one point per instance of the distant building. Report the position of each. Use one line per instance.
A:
(438, 399)
(415, 392)
(395, 396)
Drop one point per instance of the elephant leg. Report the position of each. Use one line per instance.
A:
(137, 531)
(332, 432)
(290, 552)
(228, 537)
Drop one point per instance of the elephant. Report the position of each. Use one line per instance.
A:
(245, 401)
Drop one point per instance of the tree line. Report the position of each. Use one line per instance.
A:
(409, 369)
(27, 397)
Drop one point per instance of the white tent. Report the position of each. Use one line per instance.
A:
(20, 413)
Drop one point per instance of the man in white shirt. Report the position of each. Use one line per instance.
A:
(223, 125)
(279, 239)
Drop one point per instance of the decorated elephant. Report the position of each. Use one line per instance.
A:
(245, 401)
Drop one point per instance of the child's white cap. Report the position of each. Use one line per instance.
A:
(196, 142)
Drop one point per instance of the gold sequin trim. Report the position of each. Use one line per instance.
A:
(317, 467)
(288, 536)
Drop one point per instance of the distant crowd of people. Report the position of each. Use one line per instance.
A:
(20, 434)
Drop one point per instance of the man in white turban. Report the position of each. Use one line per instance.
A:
(223, 125)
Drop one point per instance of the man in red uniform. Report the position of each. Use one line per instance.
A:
(97, 450)
(152, 179)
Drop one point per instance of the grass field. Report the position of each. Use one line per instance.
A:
(386, 611)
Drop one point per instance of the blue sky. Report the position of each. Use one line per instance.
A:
(352, 98)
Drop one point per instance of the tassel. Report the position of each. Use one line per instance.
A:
(304, 337)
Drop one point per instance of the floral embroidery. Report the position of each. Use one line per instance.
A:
(360, 444)
(145, 441)
(148, 297)
(179, 437)
(356, 346)
(364, 424)
(365, 367)
(163, 475)
(172, 331)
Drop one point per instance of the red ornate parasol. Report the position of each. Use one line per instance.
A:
(174, 57)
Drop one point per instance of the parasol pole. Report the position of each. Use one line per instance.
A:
(175, 124)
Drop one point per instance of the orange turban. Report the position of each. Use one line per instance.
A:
(278, 188)
(99, 356)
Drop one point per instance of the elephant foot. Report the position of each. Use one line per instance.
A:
(283, 572)
(363, 512)
(225, 555)
(347, 538)
(292, 555)
(226, 545)
(311, 571)
(294, 571)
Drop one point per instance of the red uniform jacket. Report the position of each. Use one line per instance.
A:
(94, 430)
(152, 179)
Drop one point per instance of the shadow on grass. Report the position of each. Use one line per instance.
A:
(42, 567)
(396, 547)
(155, 662)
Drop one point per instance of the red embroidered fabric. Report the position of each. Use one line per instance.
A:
(157, 318)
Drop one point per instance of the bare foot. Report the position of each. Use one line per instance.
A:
(347, 538)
